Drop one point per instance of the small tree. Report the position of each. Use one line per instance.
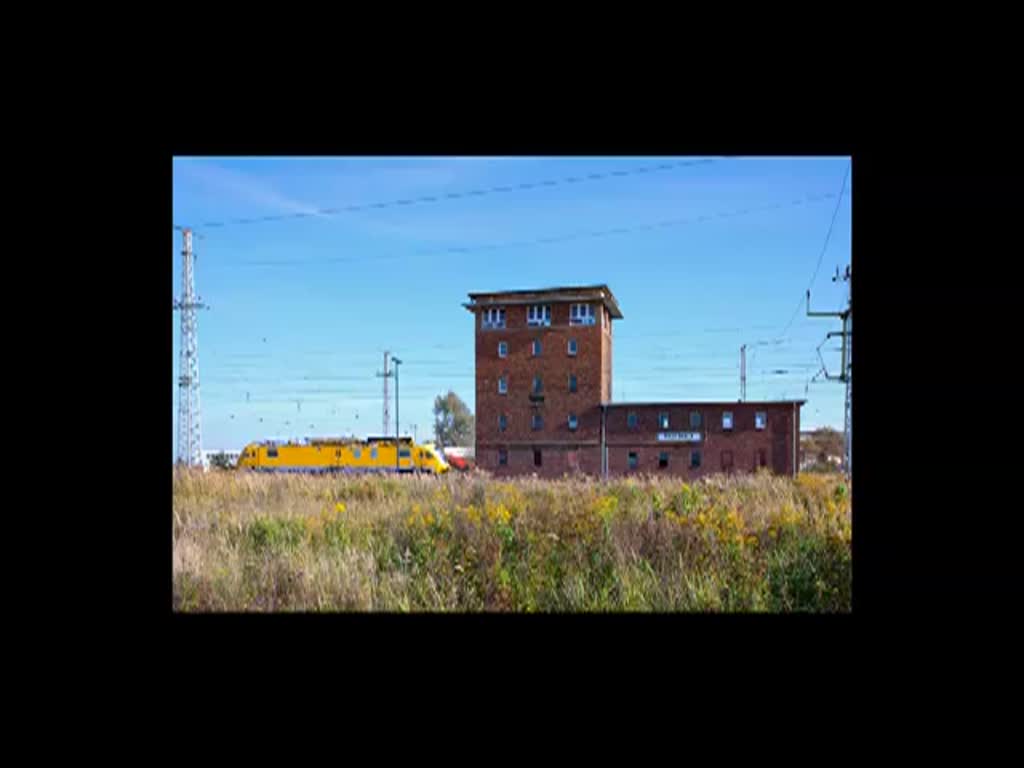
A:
(220, 461)
(453, 421)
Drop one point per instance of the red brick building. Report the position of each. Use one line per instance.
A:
(543, 400)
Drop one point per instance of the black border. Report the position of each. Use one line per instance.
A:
(898, 517)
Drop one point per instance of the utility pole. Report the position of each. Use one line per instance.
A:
(846, 376)
(743, 373)
(397, 363)
(386, 375)
(189, 422)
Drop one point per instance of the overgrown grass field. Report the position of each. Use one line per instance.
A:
(245, 542)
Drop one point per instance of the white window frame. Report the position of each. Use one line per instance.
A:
(538, 314)
(572, 347)
(582, 314)
(664, 423)
(727, 420)
(760, 420)
(492, 317)
(573, 422)
(502, 385)
(502, 349)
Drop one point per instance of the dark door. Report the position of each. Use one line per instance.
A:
(779, 461)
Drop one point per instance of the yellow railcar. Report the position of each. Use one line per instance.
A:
(323, 455)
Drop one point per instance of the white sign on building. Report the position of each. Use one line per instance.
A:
(679, 437)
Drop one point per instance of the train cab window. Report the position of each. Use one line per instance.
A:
(272, 453)
(404, 453)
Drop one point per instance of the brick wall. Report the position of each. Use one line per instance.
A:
(554, 365)
(743, 441)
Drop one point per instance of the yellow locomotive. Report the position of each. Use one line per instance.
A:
(323, 455)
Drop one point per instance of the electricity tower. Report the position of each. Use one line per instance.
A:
(846, 376)
(386, 375)
(189, 429)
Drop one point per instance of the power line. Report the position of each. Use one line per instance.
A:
(458, 195)
(546, 240)
(828, 236)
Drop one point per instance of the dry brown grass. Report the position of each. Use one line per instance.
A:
(246, 542)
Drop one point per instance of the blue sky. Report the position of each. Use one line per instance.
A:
(303, 308)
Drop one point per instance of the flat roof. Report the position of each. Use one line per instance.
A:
(563, 293)
(703, 402)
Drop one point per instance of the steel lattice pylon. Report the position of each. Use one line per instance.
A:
(189, 430)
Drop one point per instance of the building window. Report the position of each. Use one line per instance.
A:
(536, 458)
(663, 420)
(572, 347)
(538, 385)
(631, 420)
(727, 420)
(694, 459)
(538, 314)
(537, 422)
(762, 459)
(502, 385)
(502, 349)
(760, 419)
(572, 422)
(502, 422)
(663, 460)
(573, 459)
(271, 452)
(633, 461)
(726, 461)
(536, 347)
(694, 419)
(581, 314)
(502, 457)
(572, 382)
(493, 318)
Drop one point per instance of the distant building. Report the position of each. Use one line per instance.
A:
(544, 406)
